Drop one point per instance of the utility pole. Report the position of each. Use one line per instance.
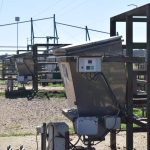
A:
(17, 19)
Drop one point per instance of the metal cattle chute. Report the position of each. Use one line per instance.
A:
(95, 84)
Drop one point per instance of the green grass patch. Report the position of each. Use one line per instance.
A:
(56, 84)
(16, 134)
(40, 94)
(137, 112)
(52, 94)
(3, 82)
(2, 94)
(57, 95)
(124, 126)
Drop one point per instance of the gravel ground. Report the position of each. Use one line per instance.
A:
(20, 117)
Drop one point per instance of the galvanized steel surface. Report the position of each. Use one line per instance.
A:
(26, 65)
(89, 91)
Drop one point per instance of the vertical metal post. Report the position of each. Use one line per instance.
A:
(43, 137)
(113, 132)
(3, 69)
(54, 28)
(148, 77)
(32, 32)
(129, 100)
(55, 31)
(47, 41)
(67, 140)
(112, 27)
(87, 35)
(17, 19)
(113, 140)
(35, 75)
(17, 35)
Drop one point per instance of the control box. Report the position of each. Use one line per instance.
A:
(86, 125)
(89, 64)
(112, 122)
(57, 136)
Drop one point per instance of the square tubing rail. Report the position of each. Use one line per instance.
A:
(129, 98)
(113, 132)
(128, 18)
(35, 74)
(148, 76)
(35, 60)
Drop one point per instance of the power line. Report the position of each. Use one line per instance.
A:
(8, 24)
(64, 24)
(98, 31)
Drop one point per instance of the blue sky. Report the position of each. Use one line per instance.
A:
(93, 13)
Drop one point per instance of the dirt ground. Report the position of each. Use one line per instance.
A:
(30, 142)
(20, 117)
